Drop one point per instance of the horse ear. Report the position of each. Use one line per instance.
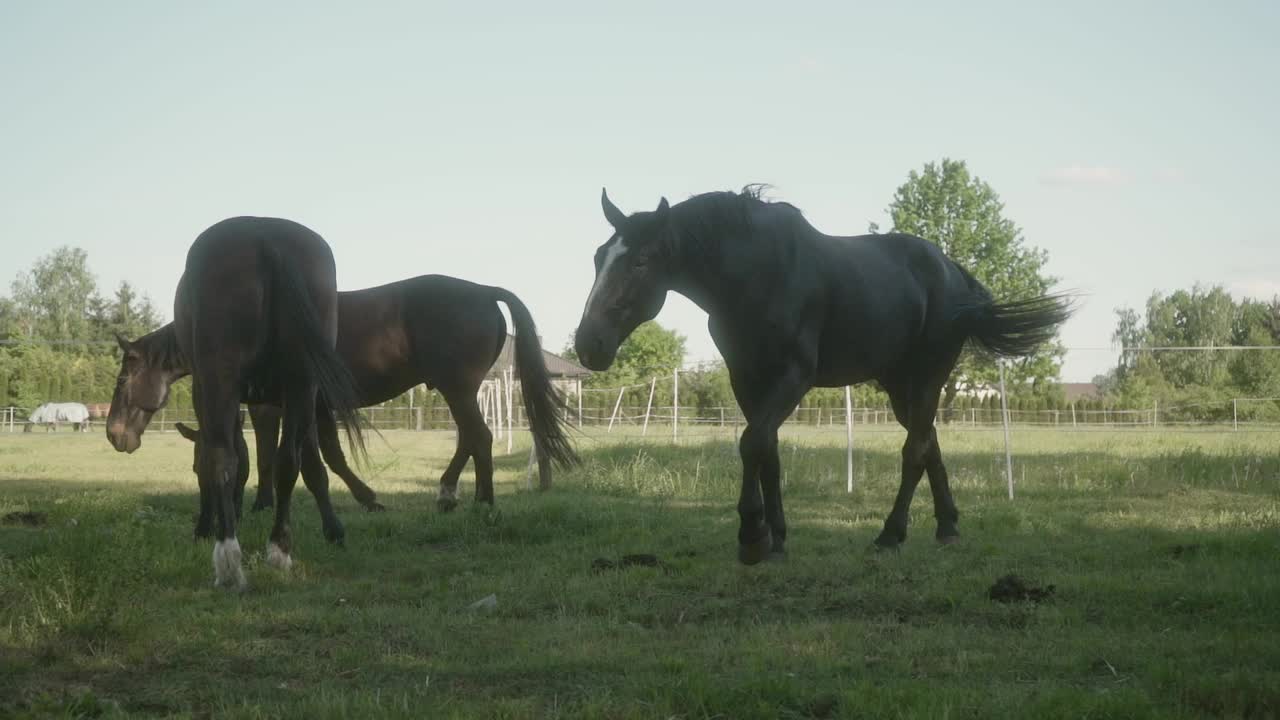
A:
(663, 207)
(124, 343)
(611, 212)
(187, 432)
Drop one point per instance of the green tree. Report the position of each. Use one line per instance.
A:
(9, 326)
(53, 300)
(127, 314)
(650, 351)
(964, 216)
(1257, 372)
(1199, 317)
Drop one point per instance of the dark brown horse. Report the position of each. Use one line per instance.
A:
(791, 308)
(445, 333)
(255, 319)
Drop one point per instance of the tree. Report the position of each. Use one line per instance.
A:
(127, 314)
(963, 215)
(1257, 373)
(1197, 318)
(9, 327)
(53, 300)
(650, 350)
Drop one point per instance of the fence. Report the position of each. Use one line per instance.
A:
(1228, 414)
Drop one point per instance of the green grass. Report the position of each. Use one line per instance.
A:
(1164, 550)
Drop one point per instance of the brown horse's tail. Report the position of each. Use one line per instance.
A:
(334, 383)
(541, 400)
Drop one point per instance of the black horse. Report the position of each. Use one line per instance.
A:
(445, 333)
(255, 319)
(790, 309)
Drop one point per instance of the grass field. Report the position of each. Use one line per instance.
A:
(1163, 550)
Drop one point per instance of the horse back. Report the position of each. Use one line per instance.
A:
(887, 298)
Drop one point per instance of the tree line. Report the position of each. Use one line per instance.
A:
(1198, 385)
(58, 333)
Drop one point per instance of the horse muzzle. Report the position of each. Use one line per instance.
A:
(596, 346)
(123, 439)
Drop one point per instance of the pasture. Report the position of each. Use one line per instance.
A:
(1163, 550)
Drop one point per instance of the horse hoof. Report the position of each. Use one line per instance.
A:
(374, 506)
(278, 558)
(886, 543)
(336, 536)
(945, 540)
(753, 552)
(446, 504)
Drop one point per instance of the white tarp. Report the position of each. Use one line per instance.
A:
(60, 413)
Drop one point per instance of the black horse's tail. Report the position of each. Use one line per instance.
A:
(334, 383)
(540, 397)
(1016, 328)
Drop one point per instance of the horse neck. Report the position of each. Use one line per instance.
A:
(700, 271)
(162, 348)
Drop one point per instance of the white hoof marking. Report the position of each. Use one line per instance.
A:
(227, 571)
(278, 558)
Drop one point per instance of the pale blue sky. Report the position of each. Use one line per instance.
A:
(1135, 141)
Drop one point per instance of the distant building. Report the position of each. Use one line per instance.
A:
(1080, 391)
(566, 375)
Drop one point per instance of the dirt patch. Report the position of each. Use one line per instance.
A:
(1012, 588)
(641, 560)
(27, 518)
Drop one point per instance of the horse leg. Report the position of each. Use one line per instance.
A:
(331, 449)
(218, 467)
(299, 420)
(242, 466)
(482, 450)
(448, 497)
(944, 506)
(266, 431)
(763, 526)
(316, 479)
(914, 404)
(474, 440)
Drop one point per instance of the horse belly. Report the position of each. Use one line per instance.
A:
(846, 358)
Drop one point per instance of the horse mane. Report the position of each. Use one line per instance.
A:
(704, 221)
(159, 348)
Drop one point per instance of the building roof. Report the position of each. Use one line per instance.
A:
(557, 367)
(1076, 391)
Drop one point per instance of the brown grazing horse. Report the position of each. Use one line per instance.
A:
(255, 319)
(445, 333)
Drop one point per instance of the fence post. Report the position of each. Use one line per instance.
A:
(1155, 414)
(848, 428)
(675, 404)
(1004, 413)
(615, 408)
(1073, 414)
(653, 384)
(1235, 416)
(511, 397)
(579, 403)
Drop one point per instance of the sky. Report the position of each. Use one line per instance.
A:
(1135, 142)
